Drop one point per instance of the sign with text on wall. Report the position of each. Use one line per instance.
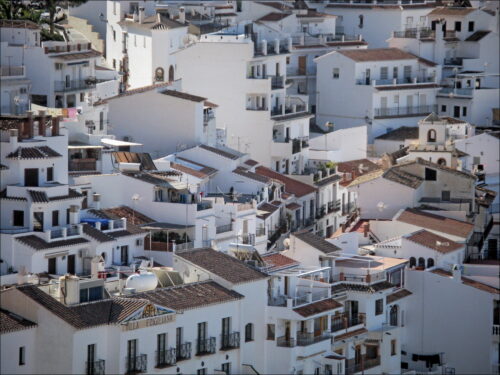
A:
(150, 315)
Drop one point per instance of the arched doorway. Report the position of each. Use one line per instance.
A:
(431, 136)
(171, 74)
(393, 315)
(159, 75)
(430, 263)
(421, 262)
(442, 161)
(413, 262)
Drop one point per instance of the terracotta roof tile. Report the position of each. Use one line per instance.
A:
(142, 158)
(328, 180)
(222, 265)
(408, 87)
(10, 322)
(317, 242)
(114, 213)
(190, 296)
(469, 282)
(350, 334)
(151, 23)
(400, 134)
(399, 176)
(397, 295)
(275, 4)
(251, 162)
(451, 11)
(77, 55)
(268, 208)
(377, 54)
(96, 234)
(138, 90)
(436, 222)
(203, 172)
(183, 95)
(373, 288)
(318, 307)
(435, 242)
(40, 152)
(251, 175)
(38, 243)
(277, 261)
(299, 189)
(273, 17)
(478, 35)
(38, 196)
(222, 152)
(293, 206)
(72, 194)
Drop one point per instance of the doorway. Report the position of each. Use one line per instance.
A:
(302, 65)
(124, 255)
(38, 221)
(52, 269)
(31, 177)
(71, 264)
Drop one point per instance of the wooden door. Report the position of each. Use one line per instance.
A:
(302, 65)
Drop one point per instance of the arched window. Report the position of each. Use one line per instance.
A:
(413, 262)
(442, 161)
(393, 316)
(103, 256)
(430, 263)
(171, 74)
(249, 332)
(421, 262)
(431, 136)
(159, 75)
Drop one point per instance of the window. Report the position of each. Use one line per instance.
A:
(430, 174)
(456, 111)
(90, 359)
(159, 75)
(361, 21)
(445, 195)
(328, 370)
(442, 161)
(22, 355)
(226, 330)
(114, 8)
(393, 347)
(471, 26)
(114, 35)
(431, 135)
(202, 336)
(396, 100)
(201, 371)
(90, 294)
(413, 262)
(421, 262)
(407, 73)
(464, 111)
(287, 60)
(55, 218)
(58, 66)
(395, 72)
(270, 332)
(226, 367)
(132, 356)
(458, 26)
(52, 266)
(336, 73)
(238, 5)
(443, 108)
(379, 306)
(393, 316)
(114, 63)
(101, 121)
(409, 21)
(430, 262)
(384, 72)
(50, 174)
(161, 346)
(249, 332)
(18, 218)
(422, 20)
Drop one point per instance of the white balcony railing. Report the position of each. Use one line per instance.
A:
(63, 233)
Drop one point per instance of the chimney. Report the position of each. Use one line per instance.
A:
(366, 229)
(69, 289)
(264, 47)
(55, 125)
(182, 15)
(29, 125)
(41, 123)
(277, 48)
(141, 15)
(74, 214)
(13, 138)
(456, 272)
(97, 201)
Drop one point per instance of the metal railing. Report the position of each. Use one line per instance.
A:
(183, 351)
(277, 82)
(80, 84)
(405, 111)
(205, 346)
(285, 342)
(468, 91)
(334, 206)
(82, 165)
(56, 233)
(308, 338)
(68, 48)
(136, 364)
(167, 357)
(205, 205)
(224, 228)
(208, 116)
(96, 367)
(395, 81)
(230, 341)
(248, 239)
(344, 321)
(72, 230)
(458, 61)
(11, 71)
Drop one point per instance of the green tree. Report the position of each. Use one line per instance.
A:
(10, 9)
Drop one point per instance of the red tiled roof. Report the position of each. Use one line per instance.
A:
(138, 90)
(207, 103)
(273, 17)
(318, 307)
(299, 189)
(377, 54)
(435, 242)
(436, 222)
(38, 243)
(251, 175)
(469, 282)
(397, 295)
(184, 95)
(451, 11)
(10, 322)
(114, 213)
(350, 334)
(277, 261)
(201, 173)
(293, 206)
(251, 162)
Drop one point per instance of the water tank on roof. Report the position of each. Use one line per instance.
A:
(142, 282)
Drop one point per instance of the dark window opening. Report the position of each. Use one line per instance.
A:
(458, 26)
(50, 174)
(18, 218)
(430, 174)
(22, 355)
(379, 306)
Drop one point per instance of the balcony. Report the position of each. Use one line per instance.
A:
(204, 205)
(62, 233)
(95, 368)
(81, 165)
(165, 358)
(453, 61)
(277, 82)
(66, 47)
(224, 228)
(285, 342)
(299, 299)
(413, 33)
(74, 85)
(183, 351)
(308, 338)
(422, 110)
(137, 364)
(344, 321)
(259, 232)
(321, 212)
(334, 206)
(205, 346)
(11, 71)
(451, 91)
(364, 363)
(230, 341)
(248, 239)
(395, 81)
(207, 117)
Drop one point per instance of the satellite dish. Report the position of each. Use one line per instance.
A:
(286, 243)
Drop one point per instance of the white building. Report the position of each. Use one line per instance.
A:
(390, 87)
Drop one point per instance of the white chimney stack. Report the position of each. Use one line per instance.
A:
(456, 272)
(182, 15)
(74, 214)
(96, 197)
(13, 138)
(69, 289)
(141, 15)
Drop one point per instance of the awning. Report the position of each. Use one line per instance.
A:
(115, 142)
(78, 146)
